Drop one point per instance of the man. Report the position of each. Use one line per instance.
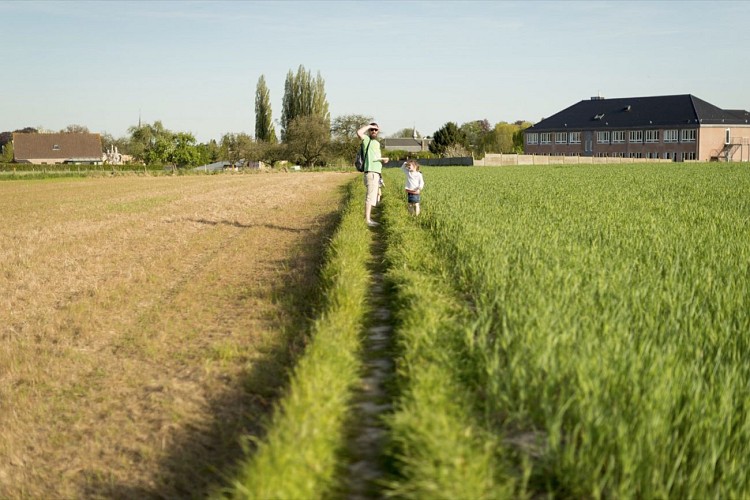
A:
(373, 167)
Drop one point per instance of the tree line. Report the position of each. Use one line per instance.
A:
(307, 136)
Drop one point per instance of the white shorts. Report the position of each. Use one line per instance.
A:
(372, 181)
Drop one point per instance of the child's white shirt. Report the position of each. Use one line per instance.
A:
(414, 179)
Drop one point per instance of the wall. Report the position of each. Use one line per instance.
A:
(514, 159)
(711, 141)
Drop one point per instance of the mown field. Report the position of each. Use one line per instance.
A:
(147, 325)
(571, 332)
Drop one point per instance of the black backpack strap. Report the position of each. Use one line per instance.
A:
(364, 157)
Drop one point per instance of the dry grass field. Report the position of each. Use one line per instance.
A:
(146, 323)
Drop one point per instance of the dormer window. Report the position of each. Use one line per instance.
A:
(55, 147)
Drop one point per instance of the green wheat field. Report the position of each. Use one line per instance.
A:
(606, 342)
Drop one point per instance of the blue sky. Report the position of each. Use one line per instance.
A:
(195, 65)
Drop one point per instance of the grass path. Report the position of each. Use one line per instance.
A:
(372, 402)
(300, 456)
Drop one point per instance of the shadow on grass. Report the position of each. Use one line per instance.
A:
(203, 461)
(234, 223)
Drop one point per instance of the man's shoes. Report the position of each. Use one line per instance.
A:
(372, 223)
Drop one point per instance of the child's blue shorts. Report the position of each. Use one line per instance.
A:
(413, 198)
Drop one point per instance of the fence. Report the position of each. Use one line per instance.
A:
(461, 161)
(500, 160)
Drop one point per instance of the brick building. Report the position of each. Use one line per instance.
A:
(677, 127)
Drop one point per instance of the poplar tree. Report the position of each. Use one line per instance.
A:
(264, 130)
(303, 96)
(319, 101)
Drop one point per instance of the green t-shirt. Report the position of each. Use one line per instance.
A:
(373, 153)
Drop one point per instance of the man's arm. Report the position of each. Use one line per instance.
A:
(362, 132)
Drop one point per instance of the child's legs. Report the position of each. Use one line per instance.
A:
(413, 199)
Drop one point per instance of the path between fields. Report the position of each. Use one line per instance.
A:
(368, 433)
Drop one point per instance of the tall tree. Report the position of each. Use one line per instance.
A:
(264, 130)
(288, 104)
(303, 96)
(319, 101)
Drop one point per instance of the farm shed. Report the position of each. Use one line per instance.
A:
(41, 149)
(675, 127)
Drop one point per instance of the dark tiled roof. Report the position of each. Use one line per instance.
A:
(403, 141)
(57, 146)
(629, 112)
(740, 113)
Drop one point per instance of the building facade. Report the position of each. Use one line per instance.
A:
(678, 128)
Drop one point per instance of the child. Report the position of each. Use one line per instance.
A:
(381, 185)
(414, 185)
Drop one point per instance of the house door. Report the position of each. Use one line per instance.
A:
(588, 143)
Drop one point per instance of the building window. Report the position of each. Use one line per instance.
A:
(532, 138)
(636, 136)
(618, 137)
(546, 138)
(574, 138)
(670, 135)
(55, 147)
(561, 138)
(688, 156)
(602, 137)
(688, 135)
(652, 136)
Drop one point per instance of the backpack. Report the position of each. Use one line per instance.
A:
(359, 160)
